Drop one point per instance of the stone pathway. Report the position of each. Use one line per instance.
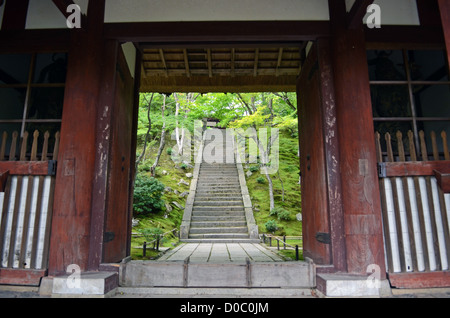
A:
(221, 253)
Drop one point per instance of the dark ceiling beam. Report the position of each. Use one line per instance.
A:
(357, 13)
(216, 32)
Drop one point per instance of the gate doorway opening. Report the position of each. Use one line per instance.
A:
(219, 82)
(248, 143)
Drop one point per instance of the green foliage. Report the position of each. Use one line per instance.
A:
(254, 168)
(147, 195)
(152, 234)
(261, 180)
(169, 151)
(281, 213)
(271, 226)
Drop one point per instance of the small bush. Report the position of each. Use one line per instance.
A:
(152, 234)
(147, 195)
(254, 168)
(281, 213)
(271, 226)
(284, 215)
(169, 151)
(261, 180)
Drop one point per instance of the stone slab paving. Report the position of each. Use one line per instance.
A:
(221, 253)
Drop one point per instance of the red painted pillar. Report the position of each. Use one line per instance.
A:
(360, 191)
(71, 224)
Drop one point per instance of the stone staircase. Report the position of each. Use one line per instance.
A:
(218, 213)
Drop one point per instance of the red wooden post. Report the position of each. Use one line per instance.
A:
(71, 227)
(358, 164)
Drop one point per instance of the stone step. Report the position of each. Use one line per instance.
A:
(221, 218)
(218, 203)
(218, 235)
(217, 223)
(158, 274)
(218, 198)
(218, 229)
(217, 183)
(167, 292)
(236, 191)
(218, 209)
(223, 187)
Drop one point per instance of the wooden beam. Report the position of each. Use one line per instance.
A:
(15, 15)
(255, 67)
(280, 58)
(27, 168)
(163, 61)
(186, 63)
(217, 32)
(233, 57)
(28, 41)
(357, 13)
(400, 36)
(208, 52)
(413, 168)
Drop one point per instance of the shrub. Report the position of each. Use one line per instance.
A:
(271, 226)
(152, 234)
(254, 168)
(147, 195)
(281, 213)
(169, 151)
(284, 215)
(261, 179)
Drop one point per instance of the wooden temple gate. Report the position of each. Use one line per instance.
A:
(26, 201)
(415, 194)
(91, 219)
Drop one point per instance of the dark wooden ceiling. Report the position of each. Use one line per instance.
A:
(221, 69)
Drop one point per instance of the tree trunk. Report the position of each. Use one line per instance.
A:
(180, 139)
(147, 134)
(162, 142)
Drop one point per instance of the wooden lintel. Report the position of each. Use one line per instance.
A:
(357, 13)
(218, 31)
(413, 168)
(27, 168)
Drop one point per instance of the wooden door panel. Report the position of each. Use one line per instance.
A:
(119, 167)
(316, 227)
